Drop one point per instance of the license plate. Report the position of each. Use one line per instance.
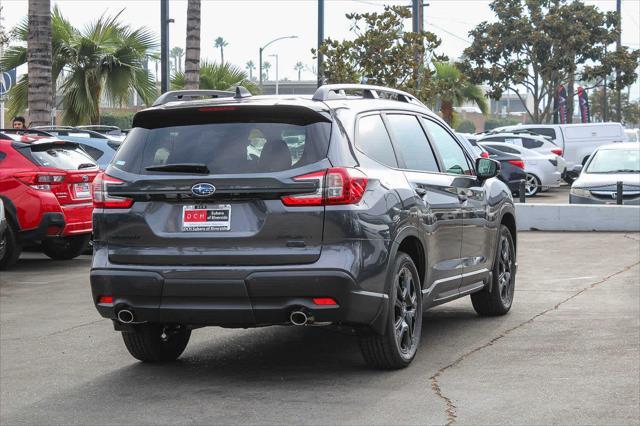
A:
(204, 218)
(82, 190)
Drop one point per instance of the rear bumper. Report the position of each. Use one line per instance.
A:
(259, 298)
(78, 218)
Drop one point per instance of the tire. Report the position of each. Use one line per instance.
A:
(397, 347)
(497, 299)
(569, 179)
(146, 344)
(12, 248)
(65, 248)
(532, 185)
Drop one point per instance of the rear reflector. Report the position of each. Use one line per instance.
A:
(336, 186)
(517, 163)
(324, 301)
(105, 299)
(101, 197)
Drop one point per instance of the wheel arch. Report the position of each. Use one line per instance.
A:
(508, 219)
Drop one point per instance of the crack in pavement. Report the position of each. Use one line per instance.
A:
(631, 238)
(435, 385)
(55, 332)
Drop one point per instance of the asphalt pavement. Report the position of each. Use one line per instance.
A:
(568, 352)
(552, 196)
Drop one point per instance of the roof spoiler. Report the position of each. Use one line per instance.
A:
(338, 91)
(189, 95)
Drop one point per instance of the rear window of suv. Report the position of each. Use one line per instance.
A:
(65, 157)
(243, 144)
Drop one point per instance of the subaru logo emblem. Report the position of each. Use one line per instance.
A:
(203, 189)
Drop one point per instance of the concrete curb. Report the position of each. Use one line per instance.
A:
(577, 217)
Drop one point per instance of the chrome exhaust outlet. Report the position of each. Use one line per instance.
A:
(125, 316)
(300, 318)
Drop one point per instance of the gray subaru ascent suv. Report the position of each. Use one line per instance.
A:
(357, 207)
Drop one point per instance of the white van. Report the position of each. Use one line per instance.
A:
(578, 141)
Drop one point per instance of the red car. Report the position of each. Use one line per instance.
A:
(45, 185)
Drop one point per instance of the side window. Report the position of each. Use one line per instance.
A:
(544, 131)
(493, 139)
(531, 143)
(505, 149)
(373, 140)
(412, 143)
(95, 153)
(452, 154)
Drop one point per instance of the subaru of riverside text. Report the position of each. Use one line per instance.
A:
(357, 207)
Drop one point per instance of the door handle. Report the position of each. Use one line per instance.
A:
(421, 192)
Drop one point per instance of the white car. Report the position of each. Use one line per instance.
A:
(610, 164)
(537, 143)
(542, 170)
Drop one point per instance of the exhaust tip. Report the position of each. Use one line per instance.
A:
(125, 316)
(298, 318)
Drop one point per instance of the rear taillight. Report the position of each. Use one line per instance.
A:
(336, 186)
(101, 197)
(42, 181)
(484, 154)
(557, 151)
(517, 163)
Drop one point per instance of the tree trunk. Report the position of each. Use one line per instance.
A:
(40, 91)
(446, 108)
(570, 95)
(192, 53)
(222, 54)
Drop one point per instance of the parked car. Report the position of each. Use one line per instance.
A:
(100, 147)
(511, 168)
(45, 186)
(472, 145)
(543, 171)
(578, 141)
(537, 143)
(633, 135)
(3, 231)
(364, 229)
(597, 183)
(104, 129)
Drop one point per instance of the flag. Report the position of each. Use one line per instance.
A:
(583, 100)
(560, 106)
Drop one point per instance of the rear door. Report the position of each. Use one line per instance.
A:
(207, 187)
(435, 205)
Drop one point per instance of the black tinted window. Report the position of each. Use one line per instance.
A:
(544, 131)
(226, 148)
(65, 157)
(95, 153)
(505, 149)
(531, 143)
(374, 141)
(412, 143)
(494, 139)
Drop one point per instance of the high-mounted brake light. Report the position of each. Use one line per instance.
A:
(336, 186)
(557, 151)
(517, 163)
(101, 197)
(219, 108)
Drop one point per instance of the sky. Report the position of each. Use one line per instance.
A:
(248, 24)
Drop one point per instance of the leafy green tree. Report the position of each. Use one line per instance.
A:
(452, 88)
(214, 76)
(382, 52)
(534, 45)
(466, 126)
(630, 109)
(220, 43)
(299, 67)
(106, 58)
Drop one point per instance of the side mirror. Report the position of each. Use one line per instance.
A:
(487, 168)
(577, 169)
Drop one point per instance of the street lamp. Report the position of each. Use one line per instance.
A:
(276, 56)
(264, 47)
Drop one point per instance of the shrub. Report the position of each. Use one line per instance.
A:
(466, 126)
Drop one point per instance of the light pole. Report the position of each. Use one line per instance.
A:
(276, 56)
(264, 47)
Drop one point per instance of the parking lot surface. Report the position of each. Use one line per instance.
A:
(568, 352)
(552, 196)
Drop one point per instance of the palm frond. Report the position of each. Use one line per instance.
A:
(17, 98)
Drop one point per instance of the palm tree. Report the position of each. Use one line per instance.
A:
(266, 66)
(192, 55)
(299, 67)
(220, 43)
(40, 86)
(452, 88)
(104, 58)
(250, 66)
(214, 76)
(177, 53)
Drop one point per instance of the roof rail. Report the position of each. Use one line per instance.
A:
(337, 91)
(187, 95)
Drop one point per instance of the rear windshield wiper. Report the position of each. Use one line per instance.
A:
(180, 168)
